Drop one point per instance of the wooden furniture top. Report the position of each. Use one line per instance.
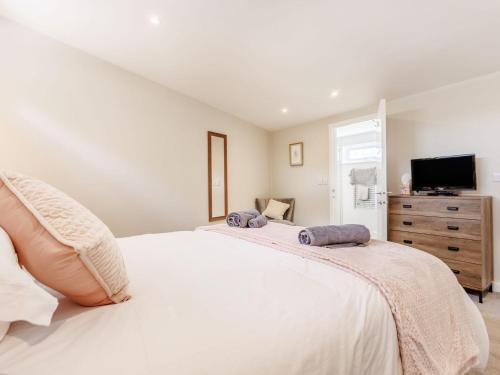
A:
(465, 196)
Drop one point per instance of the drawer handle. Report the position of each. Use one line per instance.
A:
(406, 205)
(452, 208)
(409, 242)
(453, 227)
(456, 272)
(453, 248)
(407, 223)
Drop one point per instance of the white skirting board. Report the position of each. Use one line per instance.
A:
(496, 286)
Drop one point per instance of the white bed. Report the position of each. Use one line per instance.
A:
(204, 303)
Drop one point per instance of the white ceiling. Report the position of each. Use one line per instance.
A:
(251, 58)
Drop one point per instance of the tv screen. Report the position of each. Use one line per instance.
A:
(444, 173)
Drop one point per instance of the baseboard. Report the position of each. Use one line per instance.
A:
(496, 286)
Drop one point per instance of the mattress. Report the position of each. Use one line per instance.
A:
(205, 303)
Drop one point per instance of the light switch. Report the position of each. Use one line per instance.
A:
(322, 181)
(496, 176)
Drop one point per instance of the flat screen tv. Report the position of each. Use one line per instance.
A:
(444, 174)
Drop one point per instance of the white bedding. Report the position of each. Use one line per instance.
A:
(208, 304)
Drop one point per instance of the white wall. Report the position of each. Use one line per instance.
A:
(131, 150)
(456, 119)
(302, 182)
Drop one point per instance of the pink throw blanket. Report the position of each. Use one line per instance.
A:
(424, 296)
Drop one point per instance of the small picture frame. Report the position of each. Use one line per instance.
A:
(296, 154)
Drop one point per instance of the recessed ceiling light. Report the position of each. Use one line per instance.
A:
(154, 20)
(334, 93)
(284, 110)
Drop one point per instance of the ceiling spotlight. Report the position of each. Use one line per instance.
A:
(154, 20)
(284, 110)
(334, 93)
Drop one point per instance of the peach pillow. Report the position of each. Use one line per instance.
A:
(61, 243)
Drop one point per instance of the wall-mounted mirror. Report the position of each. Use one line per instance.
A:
(217, 176)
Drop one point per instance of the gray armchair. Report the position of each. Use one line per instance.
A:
(261, 204)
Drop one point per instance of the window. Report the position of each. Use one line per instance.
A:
(361, 153)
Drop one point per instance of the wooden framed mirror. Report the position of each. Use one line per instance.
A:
(217, 176)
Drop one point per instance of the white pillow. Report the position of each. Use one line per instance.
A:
(275, 209)
(20, 297)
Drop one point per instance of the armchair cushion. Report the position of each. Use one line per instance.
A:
(261, 204)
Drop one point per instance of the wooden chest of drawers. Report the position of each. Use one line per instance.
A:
(458, 230)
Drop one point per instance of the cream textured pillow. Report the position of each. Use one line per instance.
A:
(20, 297)
(275, 209)
(61, 243)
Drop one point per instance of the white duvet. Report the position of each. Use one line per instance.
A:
(207, 304)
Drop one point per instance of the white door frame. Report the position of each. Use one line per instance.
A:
(382, 212)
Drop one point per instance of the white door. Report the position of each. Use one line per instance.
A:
(358, 176)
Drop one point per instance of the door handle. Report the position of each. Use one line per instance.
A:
(456, 272)
(409, 242)
(407, 223)
(406, 205)
(450, 208)
(453, 248)
(453, 227)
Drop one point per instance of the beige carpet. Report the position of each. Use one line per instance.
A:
(491, 313)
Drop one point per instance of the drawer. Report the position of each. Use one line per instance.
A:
(441, 226)
(456, 249)
(468, 274)
(431, 206)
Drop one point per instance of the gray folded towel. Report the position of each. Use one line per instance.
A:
(241, 218)
(257, 222)
(366, 176)
(334, 234)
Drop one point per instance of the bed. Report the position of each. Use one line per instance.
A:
(207, 303)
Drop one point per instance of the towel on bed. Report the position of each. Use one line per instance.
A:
(334, 234)
(257, 222)
(241, 218)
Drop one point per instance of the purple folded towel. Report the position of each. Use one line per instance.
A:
(334, 234)
(241, 218)
(257, 222)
